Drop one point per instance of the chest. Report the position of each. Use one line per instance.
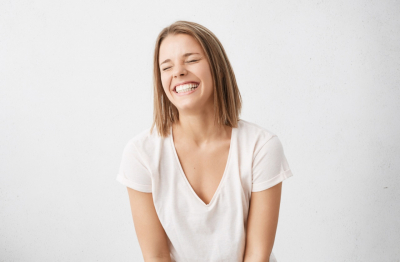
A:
(204, 167)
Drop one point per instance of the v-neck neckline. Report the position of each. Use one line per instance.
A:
(221, 182)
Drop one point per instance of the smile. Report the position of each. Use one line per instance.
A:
(186, 89)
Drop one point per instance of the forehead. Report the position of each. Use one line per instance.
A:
(177, 45)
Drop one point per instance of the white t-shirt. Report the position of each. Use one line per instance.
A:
(196, 231)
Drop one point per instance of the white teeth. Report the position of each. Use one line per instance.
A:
(186, 87)
(186, 90)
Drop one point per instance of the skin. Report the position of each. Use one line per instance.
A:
(202, 149)
(262, 224)
(196, 113)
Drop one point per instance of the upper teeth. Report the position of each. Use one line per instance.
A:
(186, 86)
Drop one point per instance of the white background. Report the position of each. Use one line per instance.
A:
(76, 85)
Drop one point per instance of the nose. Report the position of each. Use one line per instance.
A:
(179, 71)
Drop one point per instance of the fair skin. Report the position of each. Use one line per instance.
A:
(202, 149)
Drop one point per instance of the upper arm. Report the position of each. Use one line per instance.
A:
(135, 174)
(152, 238)
(269, 166)
(269, 169)
(262, 222)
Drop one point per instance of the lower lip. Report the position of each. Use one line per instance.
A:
(188, 92)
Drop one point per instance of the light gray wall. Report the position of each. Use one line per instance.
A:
(76, 85)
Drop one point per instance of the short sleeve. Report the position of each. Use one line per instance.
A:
(270, 166)
(133, 172)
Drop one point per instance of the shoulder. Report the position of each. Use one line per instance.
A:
(144, 141)
(254, 133)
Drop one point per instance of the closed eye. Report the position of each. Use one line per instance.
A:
(188, 62)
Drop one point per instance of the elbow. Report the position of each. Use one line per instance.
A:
(256, 257)
(162, 258)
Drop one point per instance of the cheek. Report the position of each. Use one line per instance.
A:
(207, 77)
(165, 83)
(205, 73)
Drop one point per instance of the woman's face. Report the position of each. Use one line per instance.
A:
(181, 59)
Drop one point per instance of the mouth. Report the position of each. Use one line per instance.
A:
(187, 87)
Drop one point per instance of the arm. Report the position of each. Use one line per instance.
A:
(262, 224)
(152, 238)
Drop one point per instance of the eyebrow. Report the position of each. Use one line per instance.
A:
(185, 55)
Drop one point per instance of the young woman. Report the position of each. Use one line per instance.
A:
(191, 180)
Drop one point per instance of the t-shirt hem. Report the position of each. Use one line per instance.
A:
(272, 182)
(130, 184)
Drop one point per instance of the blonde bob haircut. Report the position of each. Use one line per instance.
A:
(227, 98)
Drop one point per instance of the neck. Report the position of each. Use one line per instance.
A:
(199, 129)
